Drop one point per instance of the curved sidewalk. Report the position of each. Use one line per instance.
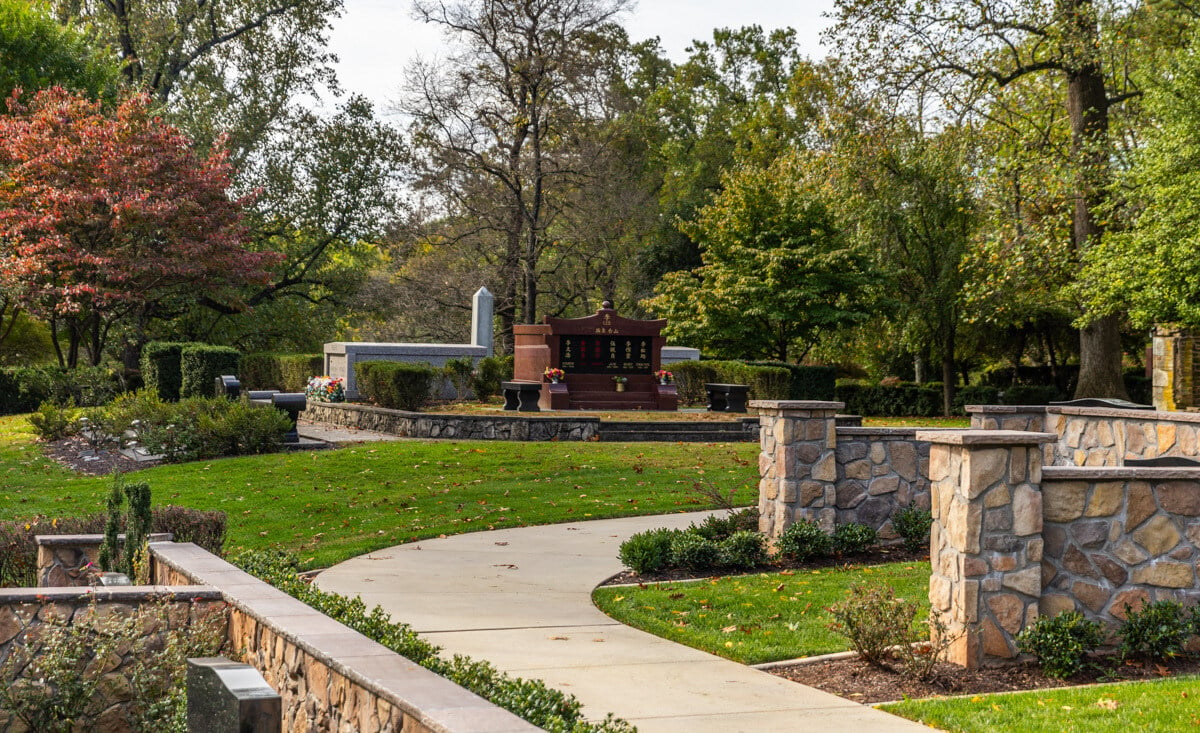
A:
(521, 599)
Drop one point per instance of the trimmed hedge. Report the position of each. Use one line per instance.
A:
(161, 368)
(259, 370)
(395, 384)
(807, 382)
(765, 382)
(201, 364)
(23, 389)
(295, 370)
(901, 400)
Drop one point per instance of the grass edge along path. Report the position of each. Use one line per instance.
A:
(328, 506)
(758, 617)
(1171, 704)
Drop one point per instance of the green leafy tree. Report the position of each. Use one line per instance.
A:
(777, 271)
(36, 52)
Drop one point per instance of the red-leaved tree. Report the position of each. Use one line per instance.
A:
(110, 221)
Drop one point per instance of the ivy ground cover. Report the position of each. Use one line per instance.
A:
(331, 505)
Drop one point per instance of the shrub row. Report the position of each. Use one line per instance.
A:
(22, 389)
(18, 549)
(284, 372)
(532, 700)
(807, 382)
(766, 382)
(395, 385)
(805, 540)
(175, 370)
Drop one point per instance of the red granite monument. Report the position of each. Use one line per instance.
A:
(608, 362)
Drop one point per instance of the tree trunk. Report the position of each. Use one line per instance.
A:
(1087, 107)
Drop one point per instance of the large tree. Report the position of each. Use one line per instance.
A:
(777, 272)
(493, 127)
(112, 220)
(966, 48)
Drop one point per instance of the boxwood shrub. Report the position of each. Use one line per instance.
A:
(765, 382)
(394, 384)
(260, 370)
(807, 382)
(295, 370)
(201, 364)
(161, 368)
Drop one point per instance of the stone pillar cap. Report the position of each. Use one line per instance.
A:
(985, 437)
(795, 405)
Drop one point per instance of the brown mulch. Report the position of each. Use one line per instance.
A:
(861, 682)
(77, 455)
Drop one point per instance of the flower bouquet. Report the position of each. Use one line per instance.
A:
(554, 374)
(326, 389)
(663, 376)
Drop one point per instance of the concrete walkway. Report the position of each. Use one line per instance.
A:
(521, 599)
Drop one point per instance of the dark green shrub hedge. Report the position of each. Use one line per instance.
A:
(260, 370)
(649, 551)
(296, 369)
(394, 384)
(977, 394)
(201, 364)
(900, 400)
(1158, 631)
(853, 537)
(807, 382)
(489, 373)
(161, 368)
(1031, 394)
(765, 382)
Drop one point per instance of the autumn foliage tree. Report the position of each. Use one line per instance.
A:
(110, 221)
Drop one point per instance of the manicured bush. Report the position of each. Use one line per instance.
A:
(912, 523)
(765, 382)
(201, 364)
(295, 370)
(260, 370)
(806, 382)
(902, 399)
(853, 537)
(1139, 386)
(977, 394)
(394, 384)
(1030, 394)
(162, 371)
(744, 550)
(531, 699)
(690, 550)
(1060, 642)
(805, 540)
(489, 373)
(240, 429)
(1158, 631)
(22, 389)
(874, 620)
(717, 527)
(649, 551)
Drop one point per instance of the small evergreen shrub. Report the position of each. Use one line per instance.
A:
(53, 422)
(912, 523)
(690, 550)
(649, 551)
(805, 540)
(765, 382)
(394, 384)
(1060, 643)
(488, 374)
(161, 368)
(853, 537)
(1158, 631)
(240, 429)
(296, 369)
(201, 364)
(717, 527)
(874, 620)
(891, 399)
(459, 371)
(742, 550)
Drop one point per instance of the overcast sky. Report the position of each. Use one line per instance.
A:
(375, 39)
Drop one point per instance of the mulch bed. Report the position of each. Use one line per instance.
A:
(76, 454)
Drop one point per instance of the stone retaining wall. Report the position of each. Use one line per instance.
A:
(25, 614)
(461, 427)
(880, 470)
(72, 560)
(1119, 536)
(1097, 436)
(331, 678)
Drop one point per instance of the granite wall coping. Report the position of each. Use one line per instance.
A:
(91, 539)
(969, 436)
(1121, 473)
(436, 702)
(796, 405)
(508, 415)
(110, 594)
(889, 433)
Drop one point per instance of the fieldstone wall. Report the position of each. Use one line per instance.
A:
(1119, 536)
(461, 427)
(71, 560)
(25, 613)
(880, 470)
(1173, 379)
(1097, 436)
(331, 678)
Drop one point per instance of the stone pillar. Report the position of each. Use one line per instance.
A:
(1173, 368)
(986, 538)
(797, 464)
(482, 328)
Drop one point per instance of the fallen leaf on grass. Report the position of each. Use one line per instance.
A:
(1105, 703)
(729, 629)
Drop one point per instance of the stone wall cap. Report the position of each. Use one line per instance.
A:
(1148, 415)
(110, 593)
(890, 432)
(985, 437)
(92, 539)
(433, 416)
(1110, 473)
(1004, 409)
(795, 405)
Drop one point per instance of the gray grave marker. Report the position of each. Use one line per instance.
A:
(228, 697)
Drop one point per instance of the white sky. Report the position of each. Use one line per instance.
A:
(375, 39)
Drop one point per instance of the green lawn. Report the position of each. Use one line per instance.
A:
(1161, 705)
(916, 422)
(332, 505)
(757, 618)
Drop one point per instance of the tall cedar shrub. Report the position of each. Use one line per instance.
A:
(110, 548)
(296, 369)
(137, 530)
(161, 368)
(201, 364)
(395, 385)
